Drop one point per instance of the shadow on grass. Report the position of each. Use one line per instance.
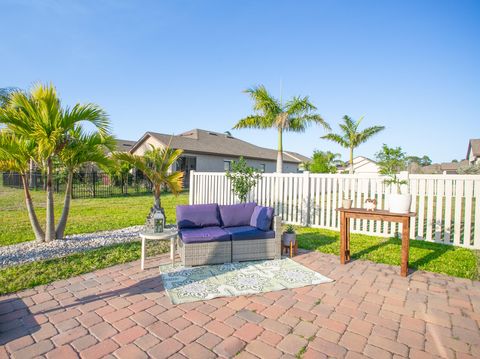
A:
(434, 257)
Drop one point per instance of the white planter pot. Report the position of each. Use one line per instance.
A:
(399, 203)
(347, 203)
(288, 238)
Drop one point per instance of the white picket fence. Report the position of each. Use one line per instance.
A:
(447, 206)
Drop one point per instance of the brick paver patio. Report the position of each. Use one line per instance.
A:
(369, 311)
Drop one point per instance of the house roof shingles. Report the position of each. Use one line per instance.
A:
(474, 146)
(125, 145)
(209, 142)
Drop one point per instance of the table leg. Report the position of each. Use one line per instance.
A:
(347, 238)
(172, 250)
(342, 237)
(405, 246)
(142, 260)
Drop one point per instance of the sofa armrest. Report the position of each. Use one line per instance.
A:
(277, 227)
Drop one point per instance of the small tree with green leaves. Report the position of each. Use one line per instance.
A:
(243, 178)
(324, 162)
(391, 161)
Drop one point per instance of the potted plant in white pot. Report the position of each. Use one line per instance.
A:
(391, 162)
(289, 236)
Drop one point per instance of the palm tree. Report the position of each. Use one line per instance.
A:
(15, 156)
(82, 148)
(351, 137)
(155, 165)
(293, 116)
(39, 116)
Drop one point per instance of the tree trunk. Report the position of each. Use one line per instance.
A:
(62, 224)
(280, 151)
(50, 225)
(37, 230)
(351, 160)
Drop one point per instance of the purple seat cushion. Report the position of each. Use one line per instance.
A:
(198, 215)
(235, 215)
(202, 235)
(248, 232)
(262, 218)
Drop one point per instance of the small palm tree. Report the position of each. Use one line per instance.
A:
(38, 116)
(156, 165)
(82, 148)
(293, 116)
(351, 137)
(15, 156)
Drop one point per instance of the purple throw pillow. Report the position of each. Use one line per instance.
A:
(197, 215)
(235, 215)
(262, 218)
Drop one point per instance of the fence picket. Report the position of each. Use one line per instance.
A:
(458, 213)
(467, 218)
(439, 210)
(430, 191)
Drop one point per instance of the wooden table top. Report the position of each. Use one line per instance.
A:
(378, 212)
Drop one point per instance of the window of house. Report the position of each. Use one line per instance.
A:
(227, 165)
(262, 167)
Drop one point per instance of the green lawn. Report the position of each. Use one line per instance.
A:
(89, 215)
(432, 257)
(86, 215)
(29, 275)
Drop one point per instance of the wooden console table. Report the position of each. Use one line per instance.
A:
(377, 215)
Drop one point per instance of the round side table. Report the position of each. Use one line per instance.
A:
(167, 234)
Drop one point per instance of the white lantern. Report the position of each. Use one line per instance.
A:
(158, 222)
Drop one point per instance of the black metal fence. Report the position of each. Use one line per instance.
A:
(85, 184)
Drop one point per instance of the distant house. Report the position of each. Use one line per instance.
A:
(473, 152)
(208, 151)
(446, 168)
(363, 165)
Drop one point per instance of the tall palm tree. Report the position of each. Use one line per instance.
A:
(293, 116)
(82, 148)
(39, 116)
(351, 137)
(156, 165)
(15, 156)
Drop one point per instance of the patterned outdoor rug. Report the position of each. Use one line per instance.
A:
(233, 279)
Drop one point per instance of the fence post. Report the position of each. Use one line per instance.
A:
(306, 199)
(191, 189)
(94, 183)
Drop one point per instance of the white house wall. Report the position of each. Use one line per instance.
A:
(212, 163)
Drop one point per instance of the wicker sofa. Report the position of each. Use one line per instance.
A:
(213, 234)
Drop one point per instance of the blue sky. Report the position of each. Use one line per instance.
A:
(169, 66)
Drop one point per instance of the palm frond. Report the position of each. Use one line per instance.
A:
(299, 106)
(263, 101)
(368, 133)
(336, 138)
(255, 121)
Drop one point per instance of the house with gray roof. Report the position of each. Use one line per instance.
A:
(209, 151)
(473, 152)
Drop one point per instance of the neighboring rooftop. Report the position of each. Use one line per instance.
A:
(445, 167)
(125, 145)
(209, 142)
(474, 146)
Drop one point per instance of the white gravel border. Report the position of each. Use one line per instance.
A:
(34, 251)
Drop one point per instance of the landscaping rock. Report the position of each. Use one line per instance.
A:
(34, 251)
